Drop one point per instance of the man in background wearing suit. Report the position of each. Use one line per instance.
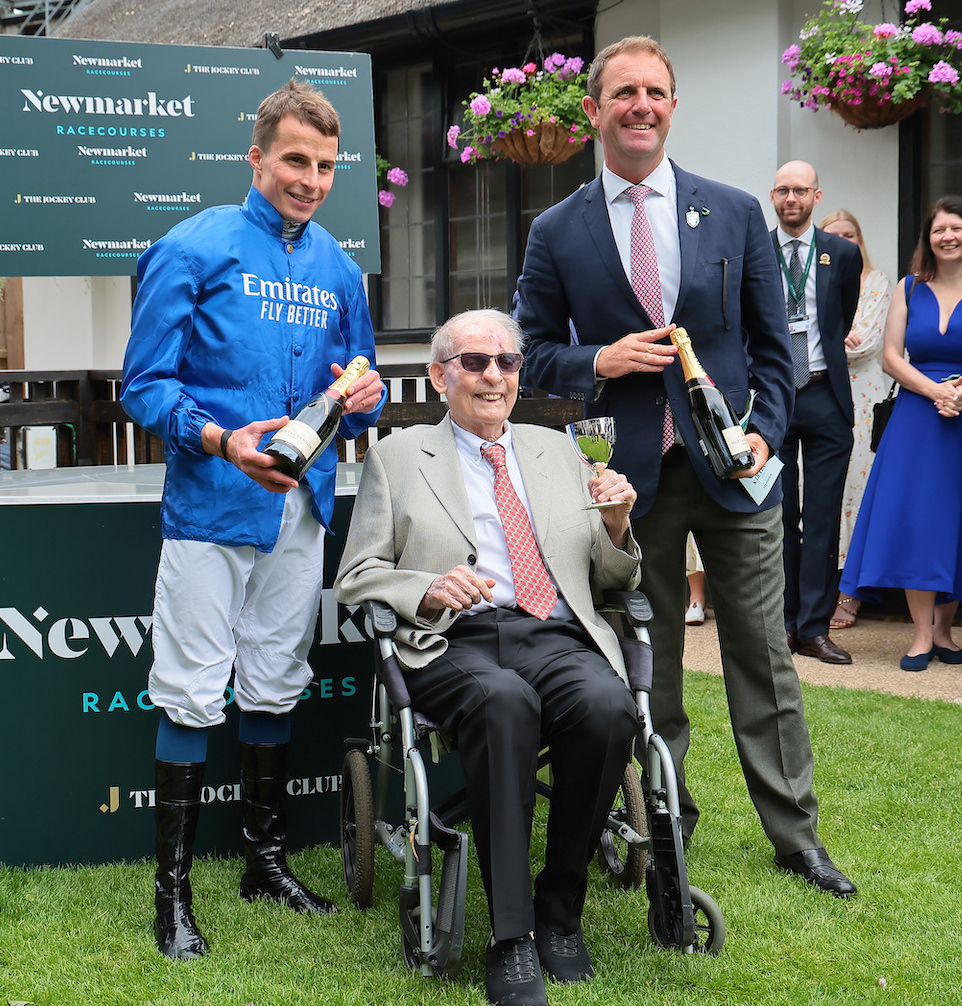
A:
(619, 258)
(821, 276)
(505, 651)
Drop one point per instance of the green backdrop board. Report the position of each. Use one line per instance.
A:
(77, 728)
(106, 145)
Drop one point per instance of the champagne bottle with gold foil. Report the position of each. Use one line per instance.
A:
(296, 446)
(719, 431)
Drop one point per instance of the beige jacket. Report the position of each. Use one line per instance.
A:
(412, 522)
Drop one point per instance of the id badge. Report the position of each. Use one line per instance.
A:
(798, 323)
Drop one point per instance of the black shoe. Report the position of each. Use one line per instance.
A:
(263, 785)
(814, 866)
(564, 957)
(513, 973)
(822, 648)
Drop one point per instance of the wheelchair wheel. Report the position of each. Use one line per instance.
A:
(626, 861)
(709, 926)
(357, 829)
(709, 923)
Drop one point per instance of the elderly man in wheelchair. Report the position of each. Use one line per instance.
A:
(476, 533)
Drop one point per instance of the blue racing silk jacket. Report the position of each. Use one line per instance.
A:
(234, 323)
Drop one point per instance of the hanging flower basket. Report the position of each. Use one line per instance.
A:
(875, 115)
(528, 115)
(875, 75)
(543, 143)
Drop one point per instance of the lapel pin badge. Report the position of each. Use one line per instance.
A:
(691, 217)
(825, 259)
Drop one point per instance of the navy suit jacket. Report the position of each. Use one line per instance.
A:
(838, 274)
(730, 301)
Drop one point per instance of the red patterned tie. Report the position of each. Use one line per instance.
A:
(647, 285)
(532, 585)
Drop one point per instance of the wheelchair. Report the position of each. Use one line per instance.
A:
(641, 841)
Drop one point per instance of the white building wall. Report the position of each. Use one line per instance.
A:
(75, 322)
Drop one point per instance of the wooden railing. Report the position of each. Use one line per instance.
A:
(93, 429)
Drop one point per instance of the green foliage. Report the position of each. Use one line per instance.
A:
(840, 59)
(888, 775)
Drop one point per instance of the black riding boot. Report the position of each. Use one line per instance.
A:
(264, 787)
(177, 808)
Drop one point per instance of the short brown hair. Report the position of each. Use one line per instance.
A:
(632, 43)
(303, 102)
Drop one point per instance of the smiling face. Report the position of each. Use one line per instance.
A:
(945, 238)
(799, 183)
(296, 172)
(633, 113)
(479, 403)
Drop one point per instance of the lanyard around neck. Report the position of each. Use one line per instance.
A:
(797, 292)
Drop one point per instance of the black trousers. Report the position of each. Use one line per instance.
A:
(508, 685)
(812, 514)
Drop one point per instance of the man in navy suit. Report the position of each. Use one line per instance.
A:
(821, 295)
(713, 261)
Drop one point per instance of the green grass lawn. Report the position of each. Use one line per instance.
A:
(889, 776)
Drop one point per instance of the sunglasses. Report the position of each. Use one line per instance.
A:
(477, 363)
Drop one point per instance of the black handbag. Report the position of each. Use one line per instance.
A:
(881, 413)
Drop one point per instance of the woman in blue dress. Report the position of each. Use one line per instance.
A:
(909, 529)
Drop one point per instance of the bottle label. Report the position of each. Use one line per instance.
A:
(736, 440)
(300, 436)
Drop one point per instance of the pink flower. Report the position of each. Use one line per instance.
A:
(880, 70)
(480, 104)
(397, 177)
(513, 76)
(786, 87)
(467, 154)
(953, 38)
(453, 133)
(571, 68)
(914, 6)
(529, 68)
(943, 73)
(385, 198)
(927, 34)
(886, 30)
(790, 56)
(554, 61)
(529, 132)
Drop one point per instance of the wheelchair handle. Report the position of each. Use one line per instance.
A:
(632, 604)
(383, 618)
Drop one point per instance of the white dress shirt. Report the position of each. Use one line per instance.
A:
(662, 213)
(494, 563)
(816, 358)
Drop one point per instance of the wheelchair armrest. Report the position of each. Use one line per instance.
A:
(383, 618)
(631, 603)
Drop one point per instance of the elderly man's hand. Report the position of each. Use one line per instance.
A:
(459, 590)
(607, 485)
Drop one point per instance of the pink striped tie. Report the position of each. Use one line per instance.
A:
(532, 585)
(647, 285)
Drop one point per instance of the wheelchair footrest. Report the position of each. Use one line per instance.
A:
(444, 954)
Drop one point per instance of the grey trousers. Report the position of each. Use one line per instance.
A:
(742, 555)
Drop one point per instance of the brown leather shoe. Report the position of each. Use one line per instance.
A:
(822, 648)
(792, 640)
